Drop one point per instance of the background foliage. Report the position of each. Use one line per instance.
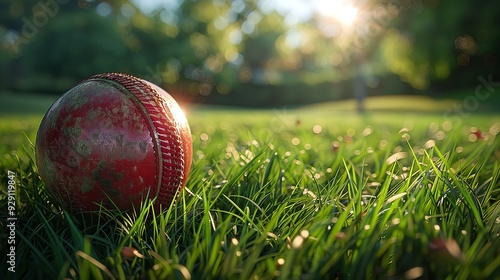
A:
(240, 53)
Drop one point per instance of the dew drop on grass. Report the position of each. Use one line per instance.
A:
(367, 131)
(429, 144)
(295, 141)
(472, 138)
(395, 157)
(414, 273)
(255, 143)
(335, 146)
(397, 149)
(204, 137)
(433, 128)
(495, 129)
(437, 227)
(281, 261)
(317, 129)
(297, 242)
(383, 143)
(367, 227)
(447, 126)
(440, 135)
(351, 132)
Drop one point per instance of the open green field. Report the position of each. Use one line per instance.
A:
(404, 191)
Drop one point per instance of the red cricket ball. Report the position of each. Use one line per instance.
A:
(114, 139)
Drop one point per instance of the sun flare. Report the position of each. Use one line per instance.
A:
(343, 11)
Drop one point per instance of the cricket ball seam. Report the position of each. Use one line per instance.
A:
(163, 129)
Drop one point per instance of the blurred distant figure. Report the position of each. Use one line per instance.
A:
(360, 83)
(360, 90)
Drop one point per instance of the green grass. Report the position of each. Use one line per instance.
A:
(312, 193)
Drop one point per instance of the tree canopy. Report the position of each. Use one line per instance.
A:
(237, 51)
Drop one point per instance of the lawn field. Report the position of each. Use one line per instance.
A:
(408, 191)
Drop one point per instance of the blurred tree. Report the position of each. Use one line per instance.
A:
(75, 47)
(442, 42)
(211, 48)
